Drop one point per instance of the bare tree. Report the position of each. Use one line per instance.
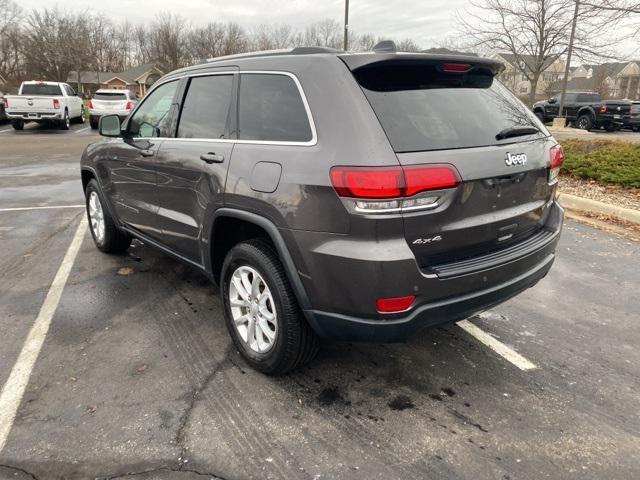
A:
(11, 18)
(535, 32)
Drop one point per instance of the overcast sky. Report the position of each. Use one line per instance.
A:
(428, 22)
(425, 21)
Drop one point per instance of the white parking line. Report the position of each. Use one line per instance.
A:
(6, 130)
(46, 207)
(82, 130)
(13, 390)
(497, 346)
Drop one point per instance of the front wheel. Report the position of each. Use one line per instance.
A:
(107, 237)
(584, 122)
(261, 311)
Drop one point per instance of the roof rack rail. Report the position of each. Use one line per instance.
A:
(310, 50)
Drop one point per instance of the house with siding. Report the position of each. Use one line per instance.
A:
(610, 80)
(514, 76)
(137, 79)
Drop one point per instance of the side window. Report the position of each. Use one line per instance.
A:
(270, 108)
(151, 119)
(206, 107)
(70, 91)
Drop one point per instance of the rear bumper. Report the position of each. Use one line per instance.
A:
(96, 114)
(34, 116)
(348, 328)
(343, 297)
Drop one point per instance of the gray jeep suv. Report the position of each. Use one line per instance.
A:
(359, 197)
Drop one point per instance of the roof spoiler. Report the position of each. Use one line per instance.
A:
(387, 58)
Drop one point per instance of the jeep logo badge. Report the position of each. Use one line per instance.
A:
(515, 159)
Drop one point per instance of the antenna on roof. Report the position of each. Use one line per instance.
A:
(385, 46)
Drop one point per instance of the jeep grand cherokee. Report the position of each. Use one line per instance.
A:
(361, 197)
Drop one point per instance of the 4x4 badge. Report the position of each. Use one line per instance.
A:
(516, 159)
(423, 241)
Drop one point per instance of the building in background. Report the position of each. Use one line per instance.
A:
(137, 79)
(518, 68)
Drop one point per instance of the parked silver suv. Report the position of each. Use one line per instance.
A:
(331, 194)
(110, 102)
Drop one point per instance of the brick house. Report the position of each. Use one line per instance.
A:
(137, 79)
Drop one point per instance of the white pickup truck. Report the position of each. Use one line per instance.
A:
(44, 102)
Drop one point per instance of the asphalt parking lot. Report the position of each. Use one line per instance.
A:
(138, 378)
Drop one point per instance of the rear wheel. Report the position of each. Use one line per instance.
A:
(584, 122)
(94, 124)
(17, 124)
(261, 311)
(65, 124)
(107, 237)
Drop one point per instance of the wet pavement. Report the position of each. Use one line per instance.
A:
(138, 377)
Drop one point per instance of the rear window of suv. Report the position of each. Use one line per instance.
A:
(422, 108)
(109, 96)
(41, 89)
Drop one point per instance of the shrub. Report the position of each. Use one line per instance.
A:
(607, 161)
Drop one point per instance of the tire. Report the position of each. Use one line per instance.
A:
(294, 343)
(108, 238)
(609, 127)
(94, 125)
(584, 122)
(540, 115)
(17, 124)
(65, 124)
(82, 118)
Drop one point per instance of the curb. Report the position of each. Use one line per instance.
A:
(573, 202)
(570, 131)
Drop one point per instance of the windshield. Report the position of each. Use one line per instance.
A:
(422, 108)
(41, 89)
(110, 96)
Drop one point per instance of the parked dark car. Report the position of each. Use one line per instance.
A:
(632, 120)
(361, 197)
(585, 110)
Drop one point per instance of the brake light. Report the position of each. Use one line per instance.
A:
(5, 102)
(90, 103)
(603, 108)
(556, 157)
(456, 67)
(394, 304)
(129, 106)
(392, 182)
(56, 103)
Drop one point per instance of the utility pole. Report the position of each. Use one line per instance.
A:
(345, 45)
(566, 69)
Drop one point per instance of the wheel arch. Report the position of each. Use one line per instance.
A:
(587, 111)
(244, 226)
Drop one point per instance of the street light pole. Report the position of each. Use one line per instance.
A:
(566, 68)
(345, 45)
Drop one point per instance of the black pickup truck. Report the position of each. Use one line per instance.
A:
(586, 111)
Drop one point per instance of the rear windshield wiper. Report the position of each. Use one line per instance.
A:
(516, 132)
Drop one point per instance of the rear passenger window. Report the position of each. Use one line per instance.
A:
(205, 110)
(271, 109)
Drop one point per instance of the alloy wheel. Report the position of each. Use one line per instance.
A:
(253, 309)
(96, 215)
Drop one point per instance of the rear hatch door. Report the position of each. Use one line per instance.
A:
(110, 101)
(454, 112)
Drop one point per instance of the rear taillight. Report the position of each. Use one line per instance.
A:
(603, 108)
(90, 104)
(5, 102)
(393, 189)
(56, 103)
(556, 157)
(394, 304)
(129, 106)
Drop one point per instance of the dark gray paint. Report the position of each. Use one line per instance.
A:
(341, 262)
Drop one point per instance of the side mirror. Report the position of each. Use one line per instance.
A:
(553, 100)
(109, 126)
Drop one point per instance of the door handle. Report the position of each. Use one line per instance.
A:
(211, 157)
(147, 153)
